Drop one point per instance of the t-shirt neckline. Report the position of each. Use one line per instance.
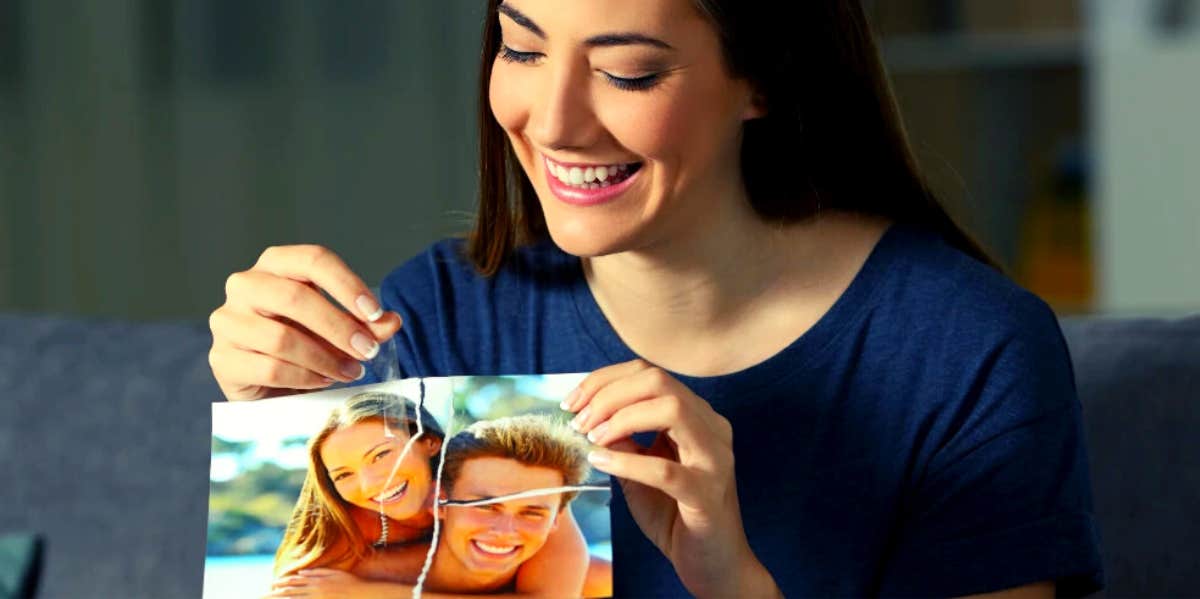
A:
(799, 355)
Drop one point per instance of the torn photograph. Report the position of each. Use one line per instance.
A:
(434, 487)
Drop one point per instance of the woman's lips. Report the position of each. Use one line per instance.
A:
(391, 495)
(577, 196)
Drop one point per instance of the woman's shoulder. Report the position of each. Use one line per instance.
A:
(921, 278)
(457, 320)
(981, 331)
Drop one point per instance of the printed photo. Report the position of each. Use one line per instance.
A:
(456, 485)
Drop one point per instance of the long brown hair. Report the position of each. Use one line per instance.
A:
(321, 532)
(832, 137)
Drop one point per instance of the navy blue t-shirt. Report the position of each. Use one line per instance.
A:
(923, 438)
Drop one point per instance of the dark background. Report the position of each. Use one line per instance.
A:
(149, 148)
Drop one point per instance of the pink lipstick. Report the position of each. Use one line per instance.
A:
(582, 196)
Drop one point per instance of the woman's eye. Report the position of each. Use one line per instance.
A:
(380, 455)
(642, 83)
(340, 476)
(511, 55)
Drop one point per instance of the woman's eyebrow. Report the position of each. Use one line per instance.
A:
(374, 447)
(624, 38)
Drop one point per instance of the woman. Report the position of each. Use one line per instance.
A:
(711, 206)
(371, 471)
(346, 488)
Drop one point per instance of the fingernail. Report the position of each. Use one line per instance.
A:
(353, 370)
(369, 307)
(327, 380)
(598, 432)
(364, 345)
(580, 418)
(570, 400)
(599, 457)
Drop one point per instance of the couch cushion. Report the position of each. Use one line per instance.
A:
(105, 429)
(1139, 383)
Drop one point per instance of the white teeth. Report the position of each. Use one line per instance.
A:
(384, 496)
(589, 177)
(494, 548)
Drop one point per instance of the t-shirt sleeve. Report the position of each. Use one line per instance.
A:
(1006, 499)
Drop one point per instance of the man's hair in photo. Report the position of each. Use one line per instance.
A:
(530, 440)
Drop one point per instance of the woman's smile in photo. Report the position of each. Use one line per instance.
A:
(362, 463)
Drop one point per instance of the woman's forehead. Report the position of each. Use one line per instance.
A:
(583, 18)
(357, 439)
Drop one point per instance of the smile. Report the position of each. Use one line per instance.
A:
(393, 494)
(589, 184)
(495, 550)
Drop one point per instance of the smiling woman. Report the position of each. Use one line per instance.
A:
(711, 206)
(367, 463)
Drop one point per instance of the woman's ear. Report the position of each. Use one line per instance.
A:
(756, 107)
(432, 445)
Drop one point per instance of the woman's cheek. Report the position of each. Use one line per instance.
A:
(505, 97)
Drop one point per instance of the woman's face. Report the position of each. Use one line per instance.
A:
(623, 117)
(362, 461)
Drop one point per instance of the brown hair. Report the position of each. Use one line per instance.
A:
(832, 137)
(531, 440)
(321, 532)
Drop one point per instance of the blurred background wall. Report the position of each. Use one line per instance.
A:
(148, 148)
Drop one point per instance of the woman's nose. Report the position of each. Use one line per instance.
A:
(370, 483)
(561, 113)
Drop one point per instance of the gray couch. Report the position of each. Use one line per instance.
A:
(104, 433)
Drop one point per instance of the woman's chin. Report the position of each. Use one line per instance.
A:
(588, 238)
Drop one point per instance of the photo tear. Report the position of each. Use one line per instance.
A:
(442, 485)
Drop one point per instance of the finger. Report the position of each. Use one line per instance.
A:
(325, 269)
(665, 475)
(294, 580)
(621, 392)
(285, 342)
(694, 438)
(582, 394)
(289, 592)
(274, 296)
(320, 573)
(241, 367)
(387, 326)
(278, 590)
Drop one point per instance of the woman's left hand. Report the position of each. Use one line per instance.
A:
(326, 583)
(681, 489)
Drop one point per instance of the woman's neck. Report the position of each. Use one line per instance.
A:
(416, 528)
(731, 293)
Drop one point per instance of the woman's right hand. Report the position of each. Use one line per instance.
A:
(276, 334)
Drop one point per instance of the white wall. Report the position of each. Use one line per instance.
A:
(1145, 90)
